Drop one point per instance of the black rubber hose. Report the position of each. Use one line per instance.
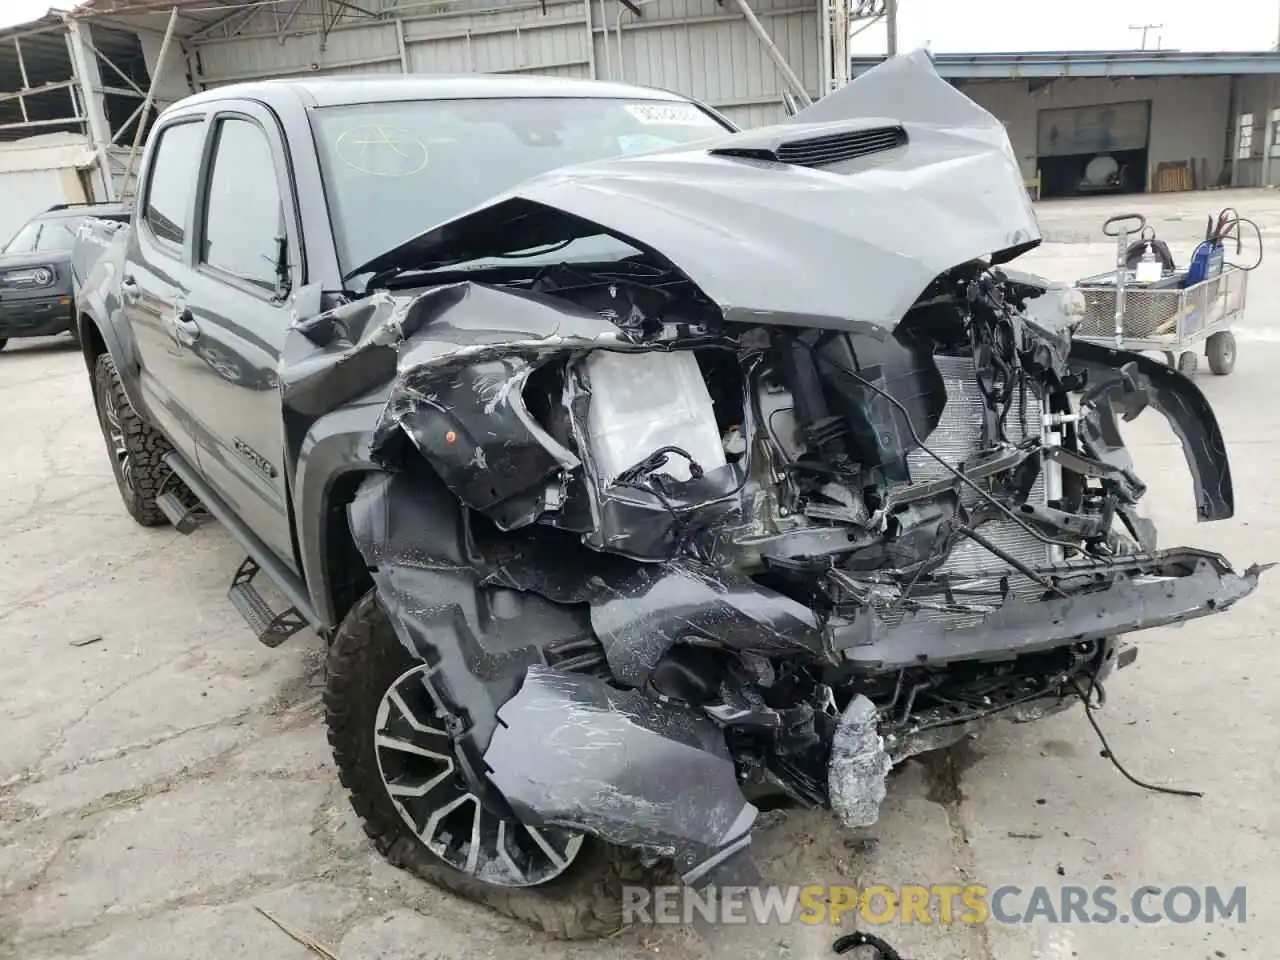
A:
(853, 941)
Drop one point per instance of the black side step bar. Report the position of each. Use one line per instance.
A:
(271, 628)
(182, 517)
(268, 626)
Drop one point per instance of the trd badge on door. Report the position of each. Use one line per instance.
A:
(255, 459)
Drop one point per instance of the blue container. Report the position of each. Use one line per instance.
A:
(1206, 262)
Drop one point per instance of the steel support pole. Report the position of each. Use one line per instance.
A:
(151, 96)
(93, 105)
(775, 54)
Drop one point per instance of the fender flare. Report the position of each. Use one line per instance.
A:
(98, 306)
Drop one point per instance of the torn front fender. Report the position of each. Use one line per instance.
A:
(452, 363)
(479, 640)
(575, 752)
(1122, 382)
(458, 394)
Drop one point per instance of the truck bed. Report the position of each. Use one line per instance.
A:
(92, 239)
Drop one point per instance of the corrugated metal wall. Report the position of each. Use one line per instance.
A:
(696, 47)
(1188, 114)
(1257, 102)
(25, 193)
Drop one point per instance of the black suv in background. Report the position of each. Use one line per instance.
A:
(35, 270)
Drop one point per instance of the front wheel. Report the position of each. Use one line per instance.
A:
(397, 763)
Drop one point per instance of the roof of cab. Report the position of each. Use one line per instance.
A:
(381, 88)
(71, 210)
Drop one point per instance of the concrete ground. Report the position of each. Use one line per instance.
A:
(162, 774)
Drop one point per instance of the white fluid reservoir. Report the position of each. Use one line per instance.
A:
(641, 402)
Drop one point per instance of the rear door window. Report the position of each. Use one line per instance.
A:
(172, 184)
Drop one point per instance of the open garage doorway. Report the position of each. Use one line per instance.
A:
(1101, 149)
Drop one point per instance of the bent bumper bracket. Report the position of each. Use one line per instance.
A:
(1170, 587)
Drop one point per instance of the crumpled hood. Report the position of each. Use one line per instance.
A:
(841, 246)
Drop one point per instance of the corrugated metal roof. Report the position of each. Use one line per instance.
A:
(1094, 63)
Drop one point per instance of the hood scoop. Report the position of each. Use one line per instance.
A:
(824, 150)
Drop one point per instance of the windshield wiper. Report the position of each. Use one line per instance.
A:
(433, 266)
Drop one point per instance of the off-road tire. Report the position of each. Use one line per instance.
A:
(364, 659)
(145, 444)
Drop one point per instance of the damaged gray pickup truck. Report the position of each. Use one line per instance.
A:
(641, 474)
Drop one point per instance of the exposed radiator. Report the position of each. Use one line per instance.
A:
(956, 439)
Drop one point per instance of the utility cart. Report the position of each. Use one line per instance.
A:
(1172, 312)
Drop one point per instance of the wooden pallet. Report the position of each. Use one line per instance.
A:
(1173, 176)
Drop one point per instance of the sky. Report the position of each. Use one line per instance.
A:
(998, 26)
(989, 26)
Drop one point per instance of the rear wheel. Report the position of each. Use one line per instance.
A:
(1187, 364)
(136, 448)
(396, 761)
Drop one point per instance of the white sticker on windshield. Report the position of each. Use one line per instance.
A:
(641, 142)
(674, 113)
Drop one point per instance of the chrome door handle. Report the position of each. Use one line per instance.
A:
(185, 329)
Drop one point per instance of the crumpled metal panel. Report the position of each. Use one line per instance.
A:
(409, 530)
(778, 244)
(859, 765)
(642, 616)
(1132, 382)
(452, 361)
(1170, 587)
(573, 751)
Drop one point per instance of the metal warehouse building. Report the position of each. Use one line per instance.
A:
(78, 91)
(72, 88)
(1167, 120)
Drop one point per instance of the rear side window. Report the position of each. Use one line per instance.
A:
(243, 214)
(172, 184)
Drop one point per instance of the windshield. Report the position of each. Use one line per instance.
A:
(392, 170)
(24, 241)
(59, 234)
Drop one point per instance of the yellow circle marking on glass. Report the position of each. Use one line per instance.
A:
(382, 151)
